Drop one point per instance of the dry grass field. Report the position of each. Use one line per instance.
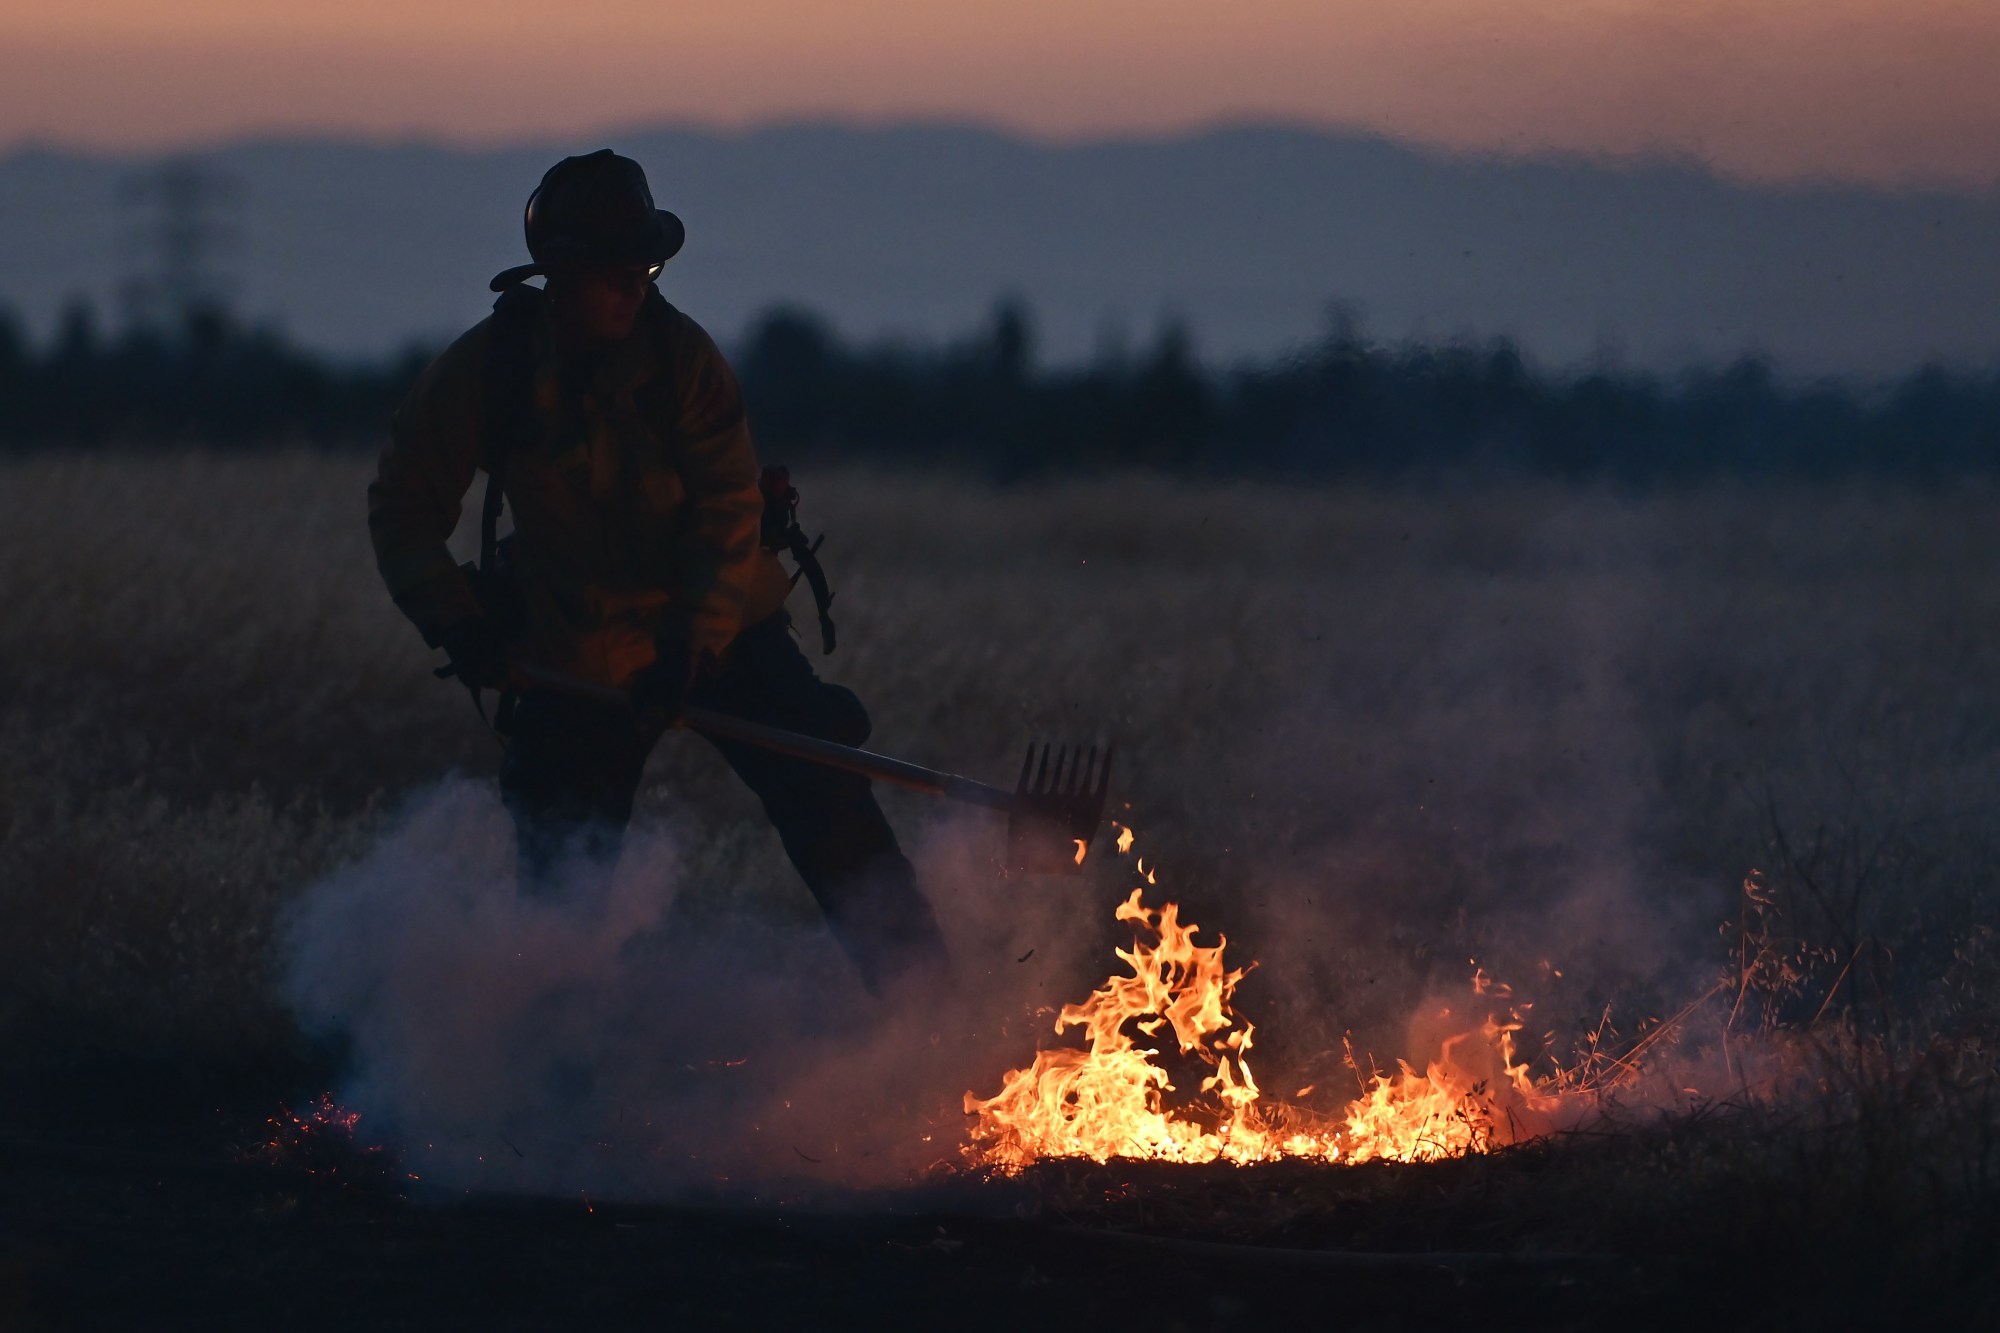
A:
(1371, 735)
(1519, 724)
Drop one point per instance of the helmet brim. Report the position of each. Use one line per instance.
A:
(669, 235)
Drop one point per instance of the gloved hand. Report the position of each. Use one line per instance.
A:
(478, 653)
(661, 690)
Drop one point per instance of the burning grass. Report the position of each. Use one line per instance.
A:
(1109, 1097)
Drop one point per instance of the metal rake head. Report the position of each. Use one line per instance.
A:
(1057, 808)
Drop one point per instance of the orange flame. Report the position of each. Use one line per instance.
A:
(1108, 1098)
(1105, 1100)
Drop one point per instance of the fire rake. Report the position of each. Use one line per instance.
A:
(1053, 812)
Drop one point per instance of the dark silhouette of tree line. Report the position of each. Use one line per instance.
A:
(1344, 406)
(208, 379)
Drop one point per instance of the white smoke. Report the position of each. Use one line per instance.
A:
(588, 1041)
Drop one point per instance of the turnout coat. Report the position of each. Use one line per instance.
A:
(631, 478)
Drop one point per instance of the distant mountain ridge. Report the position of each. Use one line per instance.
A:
(1248, 233)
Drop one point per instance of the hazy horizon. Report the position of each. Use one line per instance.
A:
(1249, 235)
(559, 142)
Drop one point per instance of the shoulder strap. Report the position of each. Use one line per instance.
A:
(508, 405)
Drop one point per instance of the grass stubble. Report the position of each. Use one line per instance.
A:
(1370, 734)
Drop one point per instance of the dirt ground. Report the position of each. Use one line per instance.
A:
(121, 1213)
(115, 1215)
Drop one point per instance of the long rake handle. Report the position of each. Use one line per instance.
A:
(865, 762)
(830, 754)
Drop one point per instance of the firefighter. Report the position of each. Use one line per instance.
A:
(616, 432)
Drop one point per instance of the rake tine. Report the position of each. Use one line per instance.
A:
(1104, 774)
(1089, 774)
(1062, 758)
(1042, 773)
(1027, 769)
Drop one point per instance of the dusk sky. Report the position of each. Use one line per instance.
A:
(1875, 90)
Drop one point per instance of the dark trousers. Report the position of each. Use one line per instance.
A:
(573, 768)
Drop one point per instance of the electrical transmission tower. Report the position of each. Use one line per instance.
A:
(184, 231)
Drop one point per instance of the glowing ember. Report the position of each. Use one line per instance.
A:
(1107, 1098)
(319, 1140)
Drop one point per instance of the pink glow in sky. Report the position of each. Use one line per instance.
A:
(1880, 90)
